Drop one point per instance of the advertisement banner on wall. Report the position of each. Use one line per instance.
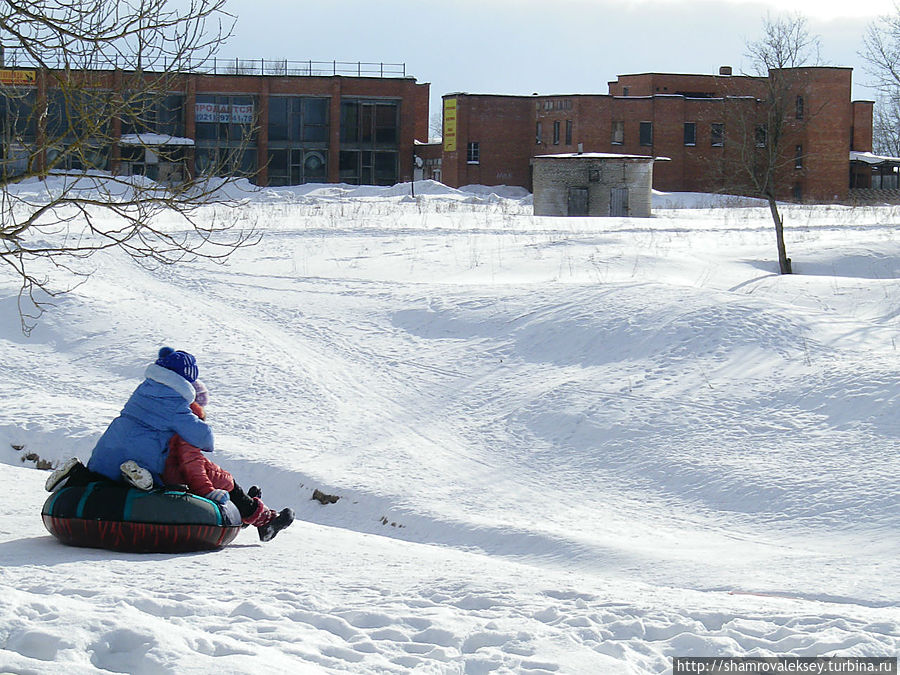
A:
(15, 77)
(223, 112)
(450, 125)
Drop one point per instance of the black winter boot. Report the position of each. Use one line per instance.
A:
(268, 531)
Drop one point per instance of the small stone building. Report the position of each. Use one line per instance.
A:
(592, 184)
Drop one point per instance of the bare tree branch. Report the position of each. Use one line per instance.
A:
(102, 68)
(881, 52)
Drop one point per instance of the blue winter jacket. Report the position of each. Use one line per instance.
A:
(157, 409)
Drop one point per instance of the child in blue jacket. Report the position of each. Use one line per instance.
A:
(135, 444)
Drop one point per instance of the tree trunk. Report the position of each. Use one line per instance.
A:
(784, 263)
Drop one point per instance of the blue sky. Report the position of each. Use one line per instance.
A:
(552, 46)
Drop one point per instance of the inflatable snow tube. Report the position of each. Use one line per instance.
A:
(122, 518)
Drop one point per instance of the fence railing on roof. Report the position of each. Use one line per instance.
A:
(307, 68)
(13, 58)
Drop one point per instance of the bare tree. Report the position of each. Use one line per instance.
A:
(93, 84)
(881, 51)
(436, 125)
(886, 125)
(761, 145)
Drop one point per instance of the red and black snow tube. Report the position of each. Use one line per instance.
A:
(122, 518)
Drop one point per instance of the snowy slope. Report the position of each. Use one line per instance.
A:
(561, 445)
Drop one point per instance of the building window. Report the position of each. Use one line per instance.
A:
(624, 91)
(761, 134)
(296, 166)
(370, 131)
(568, 132)
(370, 123)
(298, 140)
(799, 107)
(158, 115)
(717, 134)
(646, 134)
(79, 115)
(216, 161)
(539, 133)
(18, 115)
(298, 119)
(366, 167)
(690, 133)
(618, 133)
(473, 153)
(798, 156)
(798, 192)
(556, 132)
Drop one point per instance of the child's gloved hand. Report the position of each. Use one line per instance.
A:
(217, 496)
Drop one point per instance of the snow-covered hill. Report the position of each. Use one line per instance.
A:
(562, 445)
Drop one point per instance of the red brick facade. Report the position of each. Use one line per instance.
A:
(406, 100)
(691, 119)
(411, 97)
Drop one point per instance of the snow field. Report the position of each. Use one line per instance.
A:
(349, 602)
(561, 445)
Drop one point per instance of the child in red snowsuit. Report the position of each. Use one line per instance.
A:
(187, 465)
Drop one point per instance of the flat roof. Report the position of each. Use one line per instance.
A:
(717, 75)
(871, 158)
(597, 155)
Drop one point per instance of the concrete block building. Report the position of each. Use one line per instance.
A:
(592, 184)
(690, 119)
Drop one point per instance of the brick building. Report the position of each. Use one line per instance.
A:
(276, 127)
(693, 120)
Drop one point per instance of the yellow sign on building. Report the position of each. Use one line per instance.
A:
(450, 125)
(17, 77)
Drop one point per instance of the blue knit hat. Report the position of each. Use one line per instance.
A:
(179, 362)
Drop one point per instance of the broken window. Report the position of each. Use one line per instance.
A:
(618, 133)
(762, 135)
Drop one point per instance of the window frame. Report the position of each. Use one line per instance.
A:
(370, 124)
(761, 135)
(690, 134)
(645, 134)
(617, 131)
(473, 152)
